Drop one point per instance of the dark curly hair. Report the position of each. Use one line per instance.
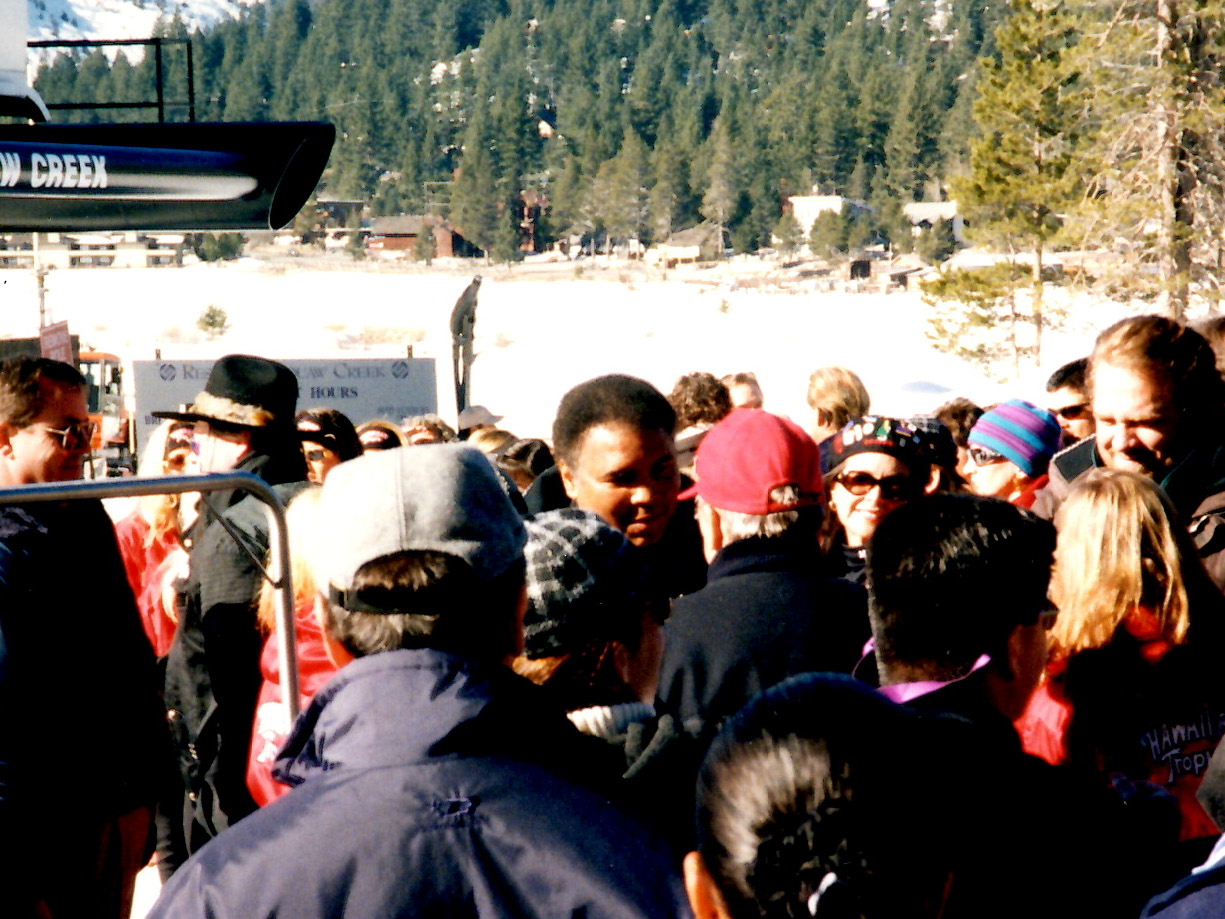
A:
(612, 399)
(959, 416)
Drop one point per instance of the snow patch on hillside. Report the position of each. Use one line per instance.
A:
(111, 19)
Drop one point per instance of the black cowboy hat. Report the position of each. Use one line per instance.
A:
(251, 392)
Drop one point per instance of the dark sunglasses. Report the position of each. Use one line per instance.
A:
(892, 487)
(72, 436)
(315, 456)
(1072, 412)
(984, 457)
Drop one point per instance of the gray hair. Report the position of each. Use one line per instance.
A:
(736, 525)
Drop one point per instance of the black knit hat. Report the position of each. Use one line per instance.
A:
(247, 391)
(584, 583)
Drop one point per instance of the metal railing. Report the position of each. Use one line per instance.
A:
(160, 103)
(278, 544)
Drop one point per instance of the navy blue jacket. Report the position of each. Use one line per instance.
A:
(429, 785)
(82, 733)
(1198, 896)
(765, 614)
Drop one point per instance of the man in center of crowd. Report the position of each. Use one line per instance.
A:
(765, 613)
(616, 457)
(430, 779)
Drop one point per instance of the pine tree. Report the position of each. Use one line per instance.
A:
(719, 199)
(666, 200)
(828, 235)
(620, 190)
(788, 233)
(1030, 112)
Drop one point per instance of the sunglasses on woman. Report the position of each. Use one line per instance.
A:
(984, 457)
(892, 487)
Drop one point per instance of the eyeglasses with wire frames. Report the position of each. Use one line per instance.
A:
(73, 436)
(892, 487)
(981, 456)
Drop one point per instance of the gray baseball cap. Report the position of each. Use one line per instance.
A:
(432, 497)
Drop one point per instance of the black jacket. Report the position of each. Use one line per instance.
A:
(765, 614)
(429, 785)
(212, 670)
(82, 736)
(1023, 815)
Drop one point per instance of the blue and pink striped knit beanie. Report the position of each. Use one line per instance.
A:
(1021, 432)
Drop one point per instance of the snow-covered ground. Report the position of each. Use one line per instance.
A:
(538, 332)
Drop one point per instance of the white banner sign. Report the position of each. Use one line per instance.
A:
(363, 388)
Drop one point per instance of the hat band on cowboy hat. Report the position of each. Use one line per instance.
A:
(208, 407)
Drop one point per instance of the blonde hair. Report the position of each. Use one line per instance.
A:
(490, 440)
(837, 395)
(161, 512)
(301, 519)
(1120, 548)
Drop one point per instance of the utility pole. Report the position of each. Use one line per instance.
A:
(40, 277)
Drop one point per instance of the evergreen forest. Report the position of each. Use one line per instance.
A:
(609, 119)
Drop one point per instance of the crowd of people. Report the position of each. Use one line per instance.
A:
(687, 657)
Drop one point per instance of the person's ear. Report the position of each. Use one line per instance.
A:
(567, 478)
(337, 653)
(6, 443)
(1014, 661)
(711, 529)
(933, 480)
(704, 897)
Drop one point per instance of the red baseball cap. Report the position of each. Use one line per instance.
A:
(749, 453)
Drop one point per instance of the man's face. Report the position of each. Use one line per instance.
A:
(626, 475)
(35, 454)
(219, 450)
(1137, 421)
(1072, 409)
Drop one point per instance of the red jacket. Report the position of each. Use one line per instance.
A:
(143, 565)
(270, 730)
(1136, 707)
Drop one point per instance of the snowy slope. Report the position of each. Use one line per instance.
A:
(104, 19)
